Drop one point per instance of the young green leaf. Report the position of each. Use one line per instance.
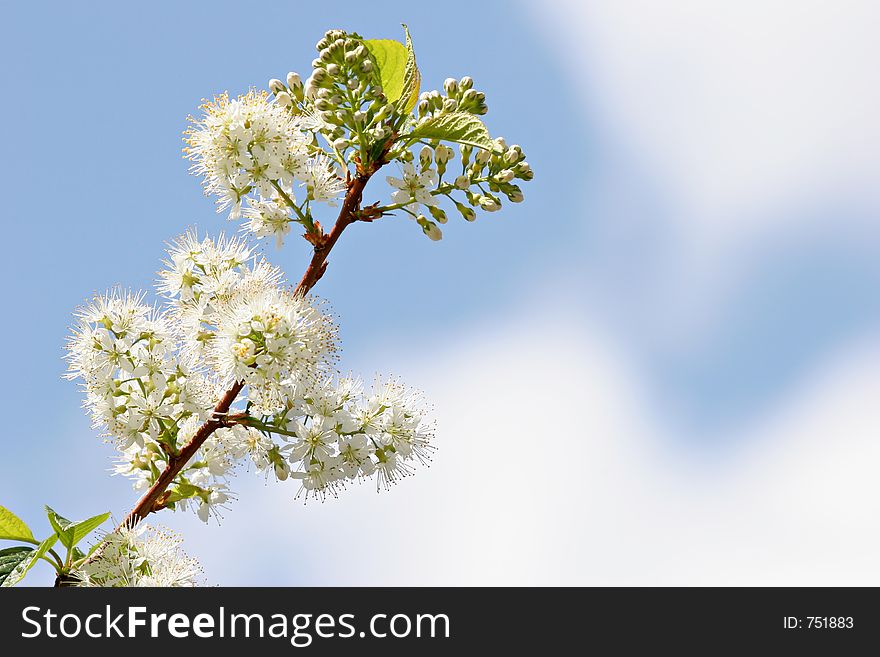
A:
(62, 526)
(412, 79)
(390, 59)
(10, 558)
(71, 533)
(83, 528)
(459, 127)
(21, 569)
(14, 528)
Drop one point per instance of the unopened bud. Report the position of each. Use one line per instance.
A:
(466, 212)
(276, 86)
(514, 194)
(430, 229)
(466, 83)
(438, 214)
(489, 204)
(450, 85)
(293, 80)
(425, 156)
(283, 99)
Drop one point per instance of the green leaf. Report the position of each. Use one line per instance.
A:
(390, 58)
(459, 127)
(21, 569)
(13, 528)
(72, 533)
(62, 527)
(412, 79)
(10, 558)
(85, 527)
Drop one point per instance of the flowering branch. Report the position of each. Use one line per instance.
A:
(152, 500)
(163, 383)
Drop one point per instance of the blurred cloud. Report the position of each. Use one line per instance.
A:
(744, 109)
(552, 471)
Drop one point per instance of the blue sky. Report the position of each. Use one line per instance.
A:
(720, 285)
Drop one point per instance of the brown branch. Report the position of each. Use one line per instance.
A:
(155, 498)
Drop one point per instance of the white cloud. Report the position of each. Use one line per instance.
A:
(742, 110)
(552, 471)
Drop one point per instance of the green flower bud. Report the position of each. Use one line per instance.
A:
(293, 80)
(425, 156)
(276, 85)
(466, 83)
(450, 85)
(462, 182)
(514, 194)
(333, 69)
(489, 204)
(430, 229)
(466, 212)
(438, 214)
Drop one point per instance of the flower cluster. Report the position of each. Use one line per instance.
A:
(338, 432)
(252, 149)
(153, 378)
(485, 177)
(124, 352)
(343, 98)
(139, 556)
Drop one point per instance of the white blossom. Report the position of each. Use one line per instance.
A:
(414, 187)
(244, 146)
(139, 556)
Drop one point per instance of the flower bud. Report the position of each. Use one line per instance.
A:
(504, 176)
(430, 229)
(450, 85)
(514, 194)
(466, 83)
(489, 204)
(462, 182)
(283, 99)
(438, 214)
(276, 85)
(425, 156)
(367, 66)
(293, 80)
(466, 212)
(333, 69)
(341, 144)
